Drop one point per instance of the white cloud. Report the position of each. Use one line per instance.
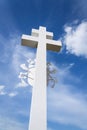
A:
(22, 84)
(12, 94)
(2, 92)
(76, 39)
(65, 104)
(2, 87)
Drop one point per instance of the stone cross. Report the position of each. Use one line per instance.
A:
(42, 40)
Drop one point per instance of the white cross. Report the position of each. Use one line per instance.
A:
(42, 40)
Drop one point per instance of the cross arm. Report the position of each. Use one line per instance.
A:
(53, 45)
(29, 41)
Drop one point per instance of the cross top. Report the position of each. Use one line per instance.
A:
(35, 32)
(38, 36)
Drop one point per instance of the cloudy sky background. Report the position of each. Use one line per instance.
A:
(67, 102)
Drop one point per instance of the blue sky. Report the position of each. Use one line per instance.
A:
(67, 102)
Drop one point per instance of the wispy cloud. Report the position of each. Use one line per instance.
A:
(21, 84)
(65, 104)
(13, 55)
(2, 87)
(19, 55)
(11, 124)
(13, 51)
(2, 91)
(12, 94)
(76, 39)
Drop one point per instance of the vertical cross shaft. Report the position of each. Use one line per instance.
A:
(42, 40)
(38, 107)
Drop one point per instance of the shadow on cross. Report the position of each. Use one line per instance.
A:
(28, 74)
